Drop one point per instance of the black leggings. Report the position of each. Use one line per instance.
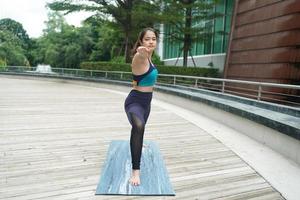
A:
(136, 140)
(137, 107)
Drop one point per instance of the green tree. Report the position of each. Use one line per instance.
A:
(72, 54)
(52, 56)
(2, 64)
(38, 50)
(130, 15)
(188, 22)
(63, 45)
(16, 29)
(107, 39)
(11, 50)
(24, 43)
(55, 23)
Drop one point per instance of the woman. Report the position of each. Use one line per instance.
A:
(137, 104)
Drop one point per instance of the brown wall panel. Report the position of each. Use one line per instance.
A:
(287, 80)
(269, 12)
(283, 23)
(276, 70)
(294, 75)
(268, 80)
(264, 45)
(280, 39)
(245, 5)
(284, 54)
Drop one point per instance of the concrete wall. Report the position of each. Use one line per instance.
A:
(217, 60)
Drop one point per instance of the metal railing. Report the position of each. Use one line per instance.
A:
(278, 93)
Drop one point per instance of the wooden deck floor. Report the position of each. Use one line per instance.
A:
(54, 137)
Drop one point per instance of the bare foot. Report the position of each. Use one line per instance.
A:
(135, 178)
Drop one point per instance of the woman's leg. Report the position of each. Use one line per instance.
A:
(136, 140)
(136, 144)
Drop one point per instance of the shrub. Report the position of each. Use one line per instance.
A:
(188, 71)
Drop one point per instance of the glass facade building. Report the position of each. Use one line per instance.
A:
(214, 44)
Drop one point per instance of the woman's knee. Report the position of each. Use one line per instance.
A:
(137, 124)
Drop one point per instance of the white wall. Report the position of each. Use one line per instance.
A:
(218, 61)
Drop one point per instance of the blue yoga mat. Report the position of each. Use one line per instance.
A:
(117, 171)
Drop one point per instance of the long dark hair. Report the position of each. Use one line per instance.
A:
(140, 38)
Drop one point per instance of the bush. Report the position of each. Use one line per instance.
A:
(2, 64)
(106, 66)
(118, 59)
(156, 59)
(188, 71)
(121, 59)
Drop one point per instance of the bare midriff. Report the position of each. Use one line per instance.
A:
(143, 89)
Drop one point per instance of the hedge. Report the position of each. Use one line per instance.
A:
(188, 71)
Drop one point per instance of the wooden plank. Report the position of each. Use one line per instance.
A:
(54, 138)
(267, 12)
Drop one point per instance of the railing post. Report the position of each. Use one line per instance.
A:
(121, 76)
(105, 74)
(259, 93)
(223, 86)
(174, 82)
(91, 73)
(196, 83)
(62, 71)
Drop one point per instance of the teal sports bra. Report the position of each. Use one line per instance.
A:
(148, 78)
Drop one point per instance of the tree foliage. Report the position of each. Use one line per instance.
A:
(129, 15)
(107, 38)
(16, 29)
(14, 43)
(109, 34)
(63, 45)
(188, 22)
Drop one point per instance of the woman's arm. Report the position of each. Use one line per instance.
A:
(140, 60)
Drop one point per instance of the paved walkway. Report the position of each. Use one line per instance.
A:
(54, 137)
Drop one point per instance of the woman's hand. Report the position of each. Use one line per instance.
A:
(140, 60)
(143, 51)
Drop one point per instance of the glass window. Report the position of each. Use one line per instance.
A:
(218, 29)
(216, 43)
